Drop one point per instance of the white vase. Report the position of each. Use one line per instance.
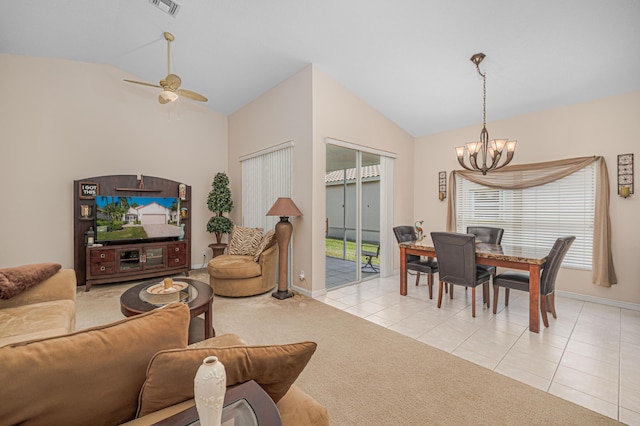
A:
(209, 387)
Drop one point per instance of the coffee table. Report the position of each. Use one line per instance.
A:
(197, 295)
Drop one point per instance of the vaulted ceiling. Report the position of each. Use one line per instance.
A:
(409, 59)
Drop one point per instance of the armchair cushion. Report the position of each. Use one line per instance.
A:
(265, 243)
(17, 279)
(170, 373)
(229, 266)
(244, 240)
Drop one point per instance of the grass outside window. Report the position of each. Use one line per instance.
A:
(335, 248)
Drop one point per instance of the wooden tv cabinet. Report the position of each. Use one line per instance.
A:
(120, 261)
(115, 263)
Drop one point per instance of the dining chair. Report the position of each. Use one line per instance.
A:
(416, 263)
(488, 235)
(456, 254)
(520, 280)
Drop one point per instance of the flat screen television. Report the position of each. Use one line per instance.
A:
(122, 219)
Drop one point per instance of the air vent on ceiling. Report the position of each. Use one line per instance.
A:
(167, 6)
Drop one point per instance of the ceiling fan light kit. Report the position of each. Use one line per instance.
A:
(170, 85)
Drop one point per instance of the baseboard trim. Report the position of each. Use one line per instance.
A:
(600, 300)
(311, 294)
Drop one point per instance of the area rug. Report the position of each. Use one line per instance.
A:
(368, 375)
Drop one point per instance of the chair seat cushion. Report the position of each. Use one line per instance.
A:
(490, 269)
(234, 266)
(482, 275)
(512, 279)
(424, 266)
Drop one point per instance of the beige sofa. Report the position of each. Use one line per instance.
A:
(140, 370)
(44, 310)
(235, 275)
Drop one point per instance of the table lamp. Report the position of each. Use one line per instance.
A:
(283, 207)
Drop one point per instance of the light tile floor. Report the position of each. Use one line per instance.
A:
(589, 355)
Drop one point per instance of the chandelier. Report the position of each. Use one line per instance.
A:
(490, 151)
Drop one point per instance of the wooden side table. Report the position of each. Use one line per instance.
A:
(246, 404)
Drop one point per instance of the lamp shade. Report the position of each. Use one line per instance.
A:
(284, 206)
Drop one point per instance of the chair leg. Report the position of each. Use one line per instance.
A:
(551, 304)
(430, 284)
(485, 295)
(440, 285)
(417, 277)
(450, 291)
(496, 289)
(506, 297)
(543, 310)
(473, 302)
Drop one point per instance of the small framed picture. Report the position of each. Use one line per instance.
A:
(88, 190)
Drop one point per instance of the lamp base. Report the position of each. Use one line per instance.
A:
(282, 294)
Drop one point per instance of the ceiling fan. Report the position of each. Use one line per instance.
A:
(171, 83)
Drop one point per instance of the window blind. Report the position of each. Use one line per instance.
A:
(535, 217)
(265, 177)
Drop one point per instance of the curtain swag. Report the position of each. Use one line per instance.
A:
(535, 174)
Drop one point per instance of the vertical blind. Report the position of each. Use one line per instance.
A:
(535, 217)
(265, 177)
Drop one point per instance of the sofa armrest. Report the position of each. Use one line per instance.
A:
(60, 286)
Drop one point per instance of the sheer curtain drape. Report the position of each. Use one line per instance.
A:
(535, 174)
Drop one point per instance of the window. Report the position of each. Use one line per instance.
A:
(535, 216)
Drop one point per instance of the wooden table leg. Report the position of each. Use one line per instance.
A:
(403, 271)
(208, 322)
(534, 298)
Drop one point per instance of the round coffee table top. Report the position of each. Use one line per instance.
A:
(136, 300)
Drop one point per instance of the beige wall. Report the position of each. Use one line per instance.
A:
(606, 127)
(282, 114)
(339, 114)
(308, 108)
(63, 120)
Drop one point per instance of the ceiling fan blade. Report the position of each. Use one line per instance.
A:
(142, 83)
(192, 95)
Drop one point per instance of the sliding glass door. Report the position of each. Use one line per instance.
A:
(352, 224)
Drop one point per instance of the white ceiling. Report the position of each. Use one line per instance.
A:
(408, 59)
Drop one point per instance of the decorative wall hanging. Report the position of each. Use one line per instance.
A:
(625, 175)
(442, 185)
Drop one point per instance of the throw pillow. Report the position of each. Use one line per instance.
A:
(244, 241)
(16, 280)
(265, 243)
(90, 377)
(170, 373)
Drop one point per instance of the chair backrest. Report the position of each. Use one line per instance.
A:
(405, 234)
(456, 254)
(486, 234)
(552, 266)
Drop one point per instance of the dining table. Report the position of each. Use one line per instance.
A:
(530, 259)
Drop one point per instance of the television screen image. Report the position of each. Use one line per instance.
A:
(137, 218)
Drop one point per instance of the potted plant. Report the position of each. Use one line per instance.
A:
(219, 202)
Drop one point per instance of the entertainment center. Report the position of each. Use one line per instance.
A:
(140, 228)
